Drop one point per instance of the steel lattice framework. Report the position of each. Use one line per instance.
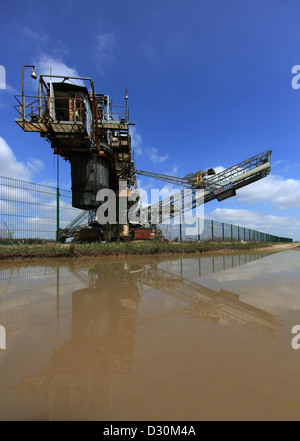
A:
(219, 186)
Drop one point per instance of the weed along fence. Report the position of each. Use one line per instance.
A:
(33, 212)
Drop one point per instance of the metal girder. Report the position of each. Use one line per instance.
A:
(167, 178)
(219, 186)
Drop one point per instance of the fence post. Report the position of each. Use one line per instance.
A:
(238, 233)
(57, 199)
(212, 230)
(180, 228)
(57, 292)
(231, 232)
(199, 234)
(223, 235)
(57, 215)
(119, 227)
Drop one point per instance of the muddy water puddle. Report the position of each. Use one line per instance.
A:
(147, 338)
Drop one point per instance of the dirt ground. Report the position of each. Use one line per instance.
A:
(282, 246)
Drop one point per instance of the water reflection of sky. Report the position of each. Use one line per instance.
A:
(119, 339)
(270, 283)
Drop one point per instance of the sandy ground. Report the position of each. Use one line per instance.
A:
(282, 246)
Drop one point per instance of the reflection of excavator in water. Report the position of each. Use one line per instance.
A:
(85, 129)
(78, 381)
(82, 373)
(209, 305)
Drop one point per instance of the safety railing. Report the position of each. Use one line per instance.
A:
(51, 108)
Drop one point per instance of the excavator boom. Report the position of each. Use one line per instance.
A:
(220, 186)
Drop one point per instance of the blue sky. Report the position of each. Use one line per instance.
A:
(209, 85)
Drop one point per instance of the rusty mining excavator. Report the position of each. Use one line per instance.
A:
(85, 129)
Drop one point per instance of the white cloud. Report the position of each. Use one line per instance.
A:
(283, 226)
(105, 47)
(58, 67)
(60, 49)
(50, 183)
(5, 99)
(284, 165)
(11, 89)
(38, 36)
(173, 172)
(219, 169)
(152, 152)
(282, 193)
(136, 141)
(12, 168)
(35, 165)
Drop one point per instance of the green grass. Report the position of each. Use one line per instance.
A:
(123, 248)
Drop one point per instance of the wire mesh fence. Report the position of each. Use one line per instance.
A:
(197, 229)
(33, 212)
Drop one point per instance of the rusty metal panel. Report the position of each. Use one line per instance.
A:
(30, 126)
(89, 175)
(143, 233)
(67, 127)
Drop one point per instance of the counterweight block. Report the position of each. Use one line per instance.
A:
(89, 175)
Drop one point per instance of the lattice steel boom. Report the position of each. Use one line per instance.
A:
(219, 186)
